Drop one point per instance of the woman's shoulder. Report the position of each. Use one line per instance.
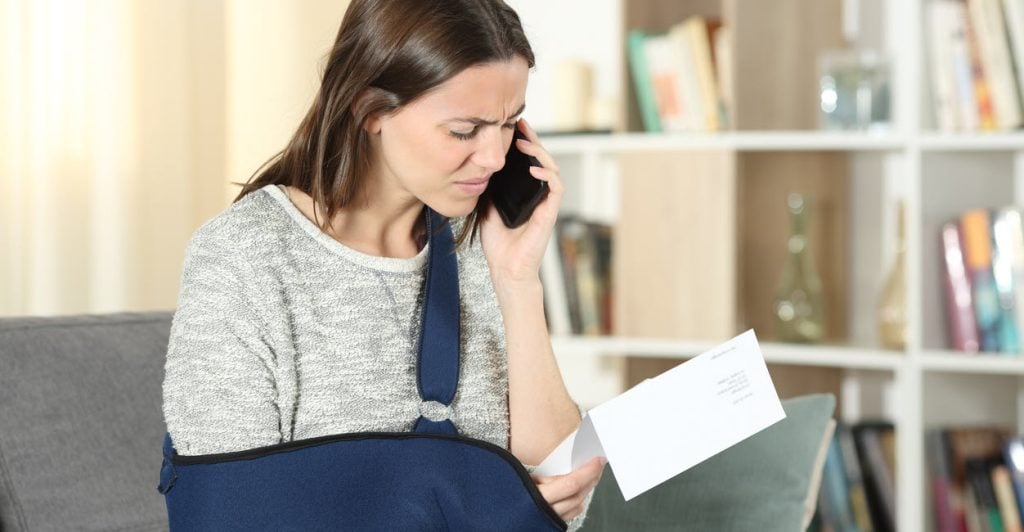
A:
(242, 225)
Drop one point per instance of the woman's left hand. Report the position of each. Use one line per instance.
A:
(514, 255)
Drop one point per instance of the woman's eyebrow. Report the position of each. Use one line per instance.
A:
(477, 121)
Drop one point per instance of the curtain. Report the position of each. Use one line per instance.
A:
(122, 123)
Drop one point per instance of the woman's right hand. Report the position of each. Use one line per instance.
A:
(566, 493)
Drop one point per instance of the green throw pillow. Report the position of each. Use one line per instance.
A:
(768, 482)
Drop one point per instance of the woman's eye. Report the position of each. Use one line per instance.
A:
(464, 136)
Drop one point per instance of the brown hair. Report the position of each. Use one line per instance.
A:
(393, 51)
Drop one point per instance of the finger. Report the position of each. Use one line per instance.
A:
(531, 145)
(568, 510)
(553, 180)
(560, 488)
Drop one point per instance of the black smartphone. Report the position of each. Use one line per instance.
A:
(513, 189)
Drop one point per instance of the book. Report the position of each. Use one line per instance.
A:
(1003, 486)
(635, 44)
(834, 494)
(854, 479)
(667, 81)
(722, 53)
(979, 478)
(993, 46)
(942, 25)
(979, 77)
(1013, 15)
(963, 68)
(948, 513)
(1013, 455)
(556, 304)
(962, 327)
(698, 29)
(977, 245)
(688, 89)
(1007, 269)
(879, 479)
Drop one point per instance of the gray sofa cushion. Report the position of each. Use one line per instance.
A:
(81, 422)
(767, 483)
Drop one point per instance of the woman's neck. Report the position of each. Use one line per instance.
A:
(396, 231)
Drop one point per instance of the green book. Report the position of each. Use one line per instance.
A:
(642, 81)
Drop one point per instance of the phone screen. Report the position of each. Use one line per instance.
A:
(514, 191)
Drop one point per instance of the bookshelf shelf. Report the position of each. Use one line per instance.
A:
(775, 353)
(971, 142)
(772, 141)
(989, 363)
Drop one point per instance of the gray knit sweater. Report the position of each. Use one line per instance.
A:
(282, 333)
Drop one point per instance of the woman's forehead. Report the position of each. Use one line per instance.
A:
(491, 92)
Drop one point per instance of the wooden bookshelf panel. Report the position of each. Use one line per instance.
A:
(764, 180)
(775, 49)
(674, 255)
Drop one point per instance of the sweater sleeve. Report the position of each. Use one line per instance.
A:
(219, 389)
(576, 522)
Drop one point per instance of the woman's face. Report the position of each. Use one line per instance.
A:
(442, 147)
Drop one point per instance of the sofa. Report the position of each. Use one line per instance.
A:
(81, 428)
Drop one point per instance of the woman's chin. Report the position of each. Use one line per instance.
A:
(454, 209)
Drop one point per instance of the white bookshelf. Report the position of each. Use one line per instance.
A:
(937, 175)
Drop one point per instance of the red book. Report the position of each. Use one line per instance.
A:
(963, 329)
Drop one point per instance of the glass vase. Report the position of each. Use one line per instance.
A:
(799, 308)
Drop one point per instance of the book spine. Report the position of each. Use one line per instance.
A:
(938, 464)
(834, 495)
(878, 478)
(1013, 15)
(1013, 453)
(642, 81)
(665, 80)
(979, 478)
(1005, 247)
(987, 17)
(977, 243)
(697, 29)
(979, 77)
(855, 479)
(1003, 488)
(941, 24)
(553, 279)
(688, 89)
(963, 68)
(963, 329)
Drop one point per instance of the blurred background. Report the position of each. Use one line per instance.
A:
(842, 176)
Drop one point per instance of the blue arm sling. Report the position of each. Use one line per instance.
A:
(432, 478)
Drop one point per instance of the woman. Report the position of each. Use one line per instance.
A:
(298, 310)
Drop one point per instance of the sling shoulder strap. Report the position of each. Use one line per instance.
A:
(438, 353)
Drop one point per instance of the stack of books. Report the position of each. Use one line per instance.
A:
(977, 478)
(976, 58)
(681, 77)
(577, 278)
(983, 259)
(858, 482)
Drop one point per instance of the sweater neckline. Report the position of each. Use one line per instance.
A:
(388, 264)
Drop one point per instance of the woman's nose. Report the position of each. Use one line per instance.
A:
(490, 153)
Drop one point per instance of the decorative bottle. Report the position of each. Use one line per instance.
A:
(892, 306)
(799, 309)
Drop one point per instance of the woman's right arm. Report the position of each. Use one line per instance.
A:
(219, 387)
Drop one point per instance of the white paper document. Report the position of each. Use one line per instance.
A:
(670, 423)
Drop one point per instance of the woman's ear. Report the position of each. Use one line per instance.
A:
(372, 122)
